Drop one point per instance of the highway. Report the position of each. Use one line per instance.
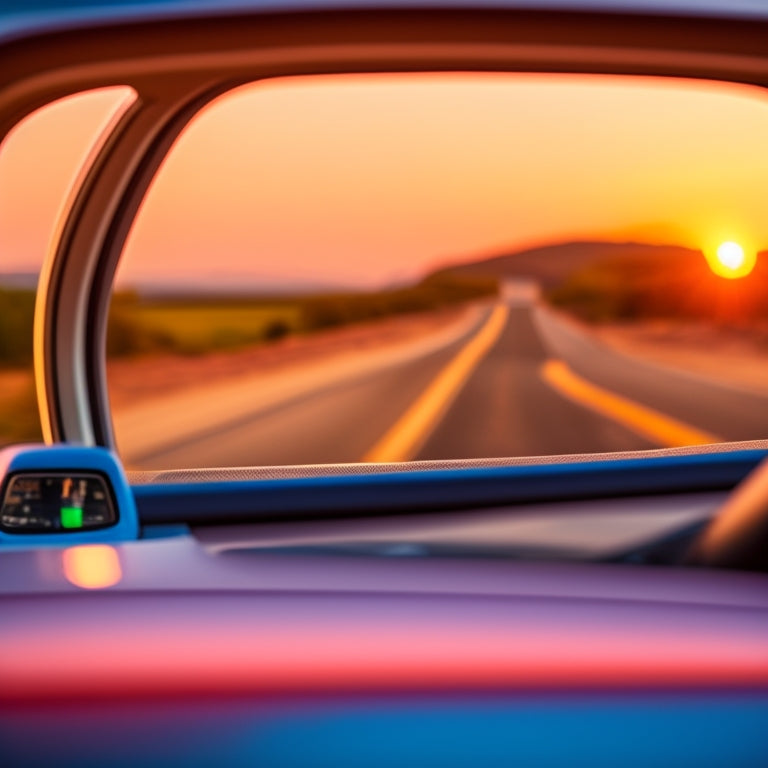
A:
(513, 379)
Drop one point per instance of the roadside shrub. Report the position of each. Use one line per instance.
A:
(437, 290)
(275, 330)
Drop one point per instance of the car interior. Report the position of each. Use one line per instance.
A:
(379, 560)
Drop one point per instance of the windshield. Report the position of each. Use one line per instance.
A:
(387, 268)
(383, 268)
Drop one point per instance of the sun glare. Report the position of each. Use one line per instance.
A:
(732, 261)
(730, 255)
(94, 566)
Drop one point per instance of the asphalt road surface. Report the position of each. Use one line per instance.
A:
(518, 381)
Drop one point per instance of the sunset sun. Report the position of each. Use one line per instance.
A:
(732, 261)
(731, 255)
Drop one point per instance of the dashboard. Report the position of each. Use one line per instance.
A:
(195, 649)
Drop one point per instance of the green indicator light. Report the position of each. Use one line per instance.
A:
(71, 517)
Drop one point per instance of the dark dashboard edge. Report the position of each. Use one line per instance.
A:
(334, 497)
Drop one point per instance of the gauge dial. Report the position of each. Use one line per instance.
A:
(56, 502)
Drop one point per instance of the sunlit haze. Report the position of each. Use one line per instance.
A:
(368, 180)
(39, 160)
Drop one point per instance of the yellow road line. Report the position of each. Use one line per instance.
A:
(646, 422)
(412, 429)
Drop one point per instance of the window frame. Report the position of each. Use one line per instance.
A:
(177, 67)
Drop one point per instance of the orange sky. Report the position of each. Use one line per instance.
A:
(369, 179)
(38, 161)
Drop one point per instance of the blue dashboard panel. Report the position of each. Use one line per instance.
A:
(664, 730)
(41, 461)
(233, 501)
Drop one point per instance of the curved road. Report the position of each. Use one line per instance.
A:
(516, 381)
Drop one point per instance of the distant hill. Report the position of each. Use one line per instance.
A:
(607, 282)
(550, 265)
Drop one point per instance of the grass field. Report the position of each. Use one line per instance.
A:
(195, 329)
(200, 325)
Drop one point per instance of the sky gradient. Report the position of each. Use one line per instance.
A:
(368, 180)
